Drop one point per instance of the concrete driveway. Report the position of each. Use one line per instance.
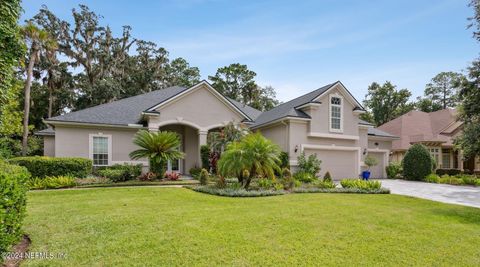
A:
(454, 194)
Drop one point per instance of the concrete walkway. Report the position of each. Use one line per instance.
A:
(453, 194)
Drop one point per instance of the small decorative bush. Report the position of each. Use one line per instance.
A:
(149, 176)
(265, 183)
(92, 180)
(325, 184)
(360, 184)
(432, 178)
(113, 174)
(203, 177)
(13, 197)
(195, 172)
(47, 166)
(447, 179)
(370, 161)
(450, 172)
(341, 190)
(304, 177)
(130, 171)
(394, 170)
(309, 165)
(417, 163)
(287, 179)
(236, 192)
(173, 176)
(284, 162)
(205, 156)
(468, 179)
(220, 182)
(53, 182)
(327, 177)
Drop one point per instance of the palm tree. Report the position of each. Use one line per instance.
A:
(158, 147)
(252, 157)
(36, 39)
(230, 133)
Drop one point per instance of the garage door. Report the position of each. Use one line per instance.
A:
(377, 171)
(340, 164)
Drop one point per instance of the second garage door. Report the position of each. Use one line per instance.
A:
(340, 164)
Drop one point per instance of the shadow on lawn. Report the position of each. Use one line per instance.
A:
(464, 215)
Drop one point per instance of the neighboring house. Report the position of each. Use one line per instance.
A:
(324, 122)
(435, 130)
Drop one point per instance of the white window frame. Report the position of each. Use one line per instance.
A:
(90, 147)
(330, 113)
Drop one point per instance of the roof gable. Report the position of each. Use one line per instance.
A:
(205, 84)
(292, 108)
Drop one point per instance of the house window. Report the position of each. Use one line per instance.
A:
(100, 150)
(435, 153)
(446, 159)
(335, 114)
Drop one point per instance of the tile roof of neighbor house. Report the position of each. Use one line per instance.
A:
(417, 126)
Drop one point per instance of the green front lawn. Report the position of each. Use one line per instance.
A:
(176, 226)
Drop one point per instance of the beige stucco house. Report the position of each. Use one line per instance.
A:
(436, 130)
(324, 121)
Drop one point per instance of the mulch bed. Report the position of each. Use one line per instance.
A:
(19, 249)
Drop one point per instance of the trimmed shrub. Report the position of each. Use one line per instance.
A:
(41, 167)
(195, 172)
(447, 179)
(51, 182)
(113, 174)
(235, 192)
(450, 172)
(325, 184)
(360, 184)
(394, 170)
(309, 165)
(468, 179)
(205, 156)
(203, 177)
(417, 163)
(327, 177)
(432, 178)
(130, 171)
(341, 190)
(13, 191)
(304, 177)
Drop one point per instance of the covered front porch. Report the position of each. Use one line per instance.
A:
(192, 139)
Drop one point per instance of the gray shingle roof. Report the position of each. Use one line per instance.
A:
(377, 132)
(249, 111)
(48, 131)
(288, 109)
(129, 110)
(121, 112)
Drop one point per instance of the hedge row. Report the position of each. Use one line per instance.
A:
(13, 191)
(41, 167)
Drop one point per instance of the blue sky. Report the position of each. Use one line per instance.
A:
(298, 46)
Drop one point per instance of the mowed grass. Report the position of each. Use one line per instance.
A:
(176, 226)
